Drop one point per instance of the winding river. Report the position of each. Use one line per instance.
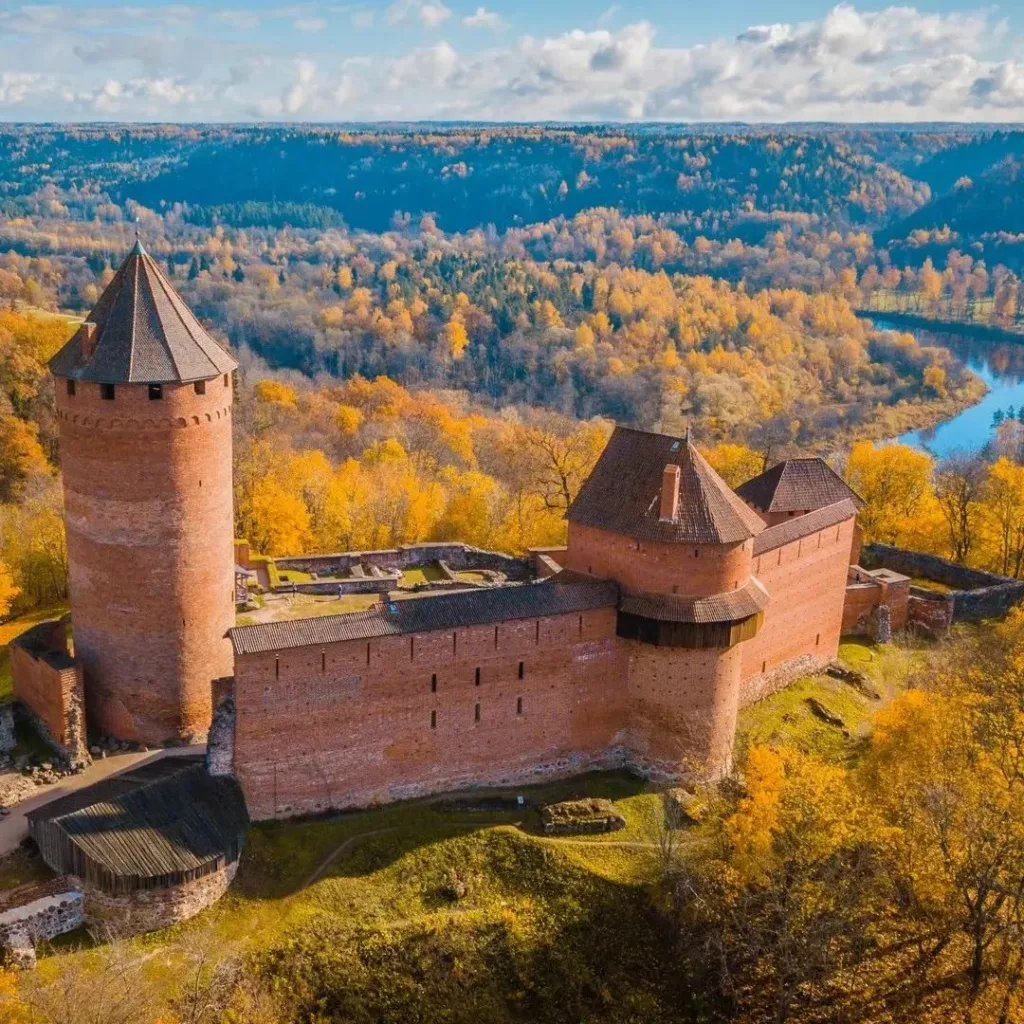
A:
(1000, 364)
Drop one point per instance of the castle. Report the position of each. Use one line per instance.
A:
(675, 602)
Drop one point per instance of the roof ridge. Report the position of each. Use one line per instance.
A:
(144, 259)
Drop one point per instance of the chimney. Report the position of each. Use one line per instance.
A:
(670, 494)
(88, 333)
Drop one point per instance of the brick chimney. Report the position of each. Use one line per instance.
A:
(670, 494)
(88, 332)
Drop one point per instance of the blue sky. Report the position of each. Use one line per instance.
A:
(324, 60)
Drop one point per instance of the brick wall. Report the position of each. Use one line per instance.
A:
(806, 581)
(48, 683)
(691, 570)
(148, 511)
(361, 722)
(683, 707)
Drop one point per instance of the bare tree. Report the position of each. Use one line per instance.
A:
(958, 485)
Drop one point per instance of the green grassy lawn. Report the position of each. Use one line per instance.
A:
(424, 574)
(787, 716)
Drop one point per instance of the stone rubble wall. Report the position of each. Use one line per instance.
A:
(148, 910)
(7, 739)
(220, 745)
(975, 594)
(39, 913)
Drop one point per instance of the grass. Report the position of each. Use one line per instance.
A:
(787, 717)
(927, 584)
(429, 573)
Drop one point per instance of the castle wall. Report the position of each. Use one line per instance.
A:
(806, 581)
(689, 570)
(49, 685)
(148, 510)
(350, 724)
(683, 708)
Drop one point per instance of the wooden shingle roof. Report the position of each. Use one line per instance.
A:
(168, 819)
(803, 526)
(141, 332)
(623, 494)
(559, 595)
(731, 606)
(797, 485)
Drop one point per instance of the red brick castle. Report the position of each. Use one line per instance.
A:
(674, 603)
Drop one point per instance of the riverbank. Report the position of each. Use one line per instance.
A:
(981, 332)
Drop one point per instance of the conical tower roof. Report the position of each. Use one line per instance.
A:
(141, 332)
(623, 494)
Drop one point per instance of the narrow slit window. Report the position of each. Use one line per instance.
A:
(817, 640)
(519, 705)
(107, 392)
(412, 648)
(433, 683)
(227, 380)
(367, 653)
(277, 668)
(581, 625)
(433, 719)
(522, 669)
(455, 643)
(764, 666)
(476, 677)
(323, 661)
(495, 637)
(538, 631)
(476, 713)
(156, 392)
(199, 387)
(71, 388)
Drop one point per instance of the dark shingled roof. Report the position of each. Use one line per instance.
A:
(731, 606)
(623, 494)
(797, 485)
(803, 526)
(166, 820)
(144, 334)
(559, 595)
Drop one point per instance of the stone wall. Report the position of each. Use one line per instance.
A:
(148, 910)
(7, 737)
(867, 593)
(931, 612)
(975, 594)
(459, 557)
(49, 685)
(363, 722)
(31, 914)
(220, 744)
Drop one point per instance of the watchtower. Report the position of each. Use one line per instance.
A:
(144, 400)
(656, 518)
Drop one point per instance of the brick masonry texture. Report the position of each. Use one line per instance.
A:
(360, 722)
(148, 498)
(50, 687)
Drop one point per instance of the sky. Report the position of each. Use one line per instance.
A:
(531, 60)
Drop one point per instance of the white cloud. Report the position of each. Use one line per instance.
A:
(483, 18)
(191, 62)
(429, 12)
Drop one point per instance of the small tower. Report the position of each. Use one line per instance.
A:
(657, 519)
(144, 406)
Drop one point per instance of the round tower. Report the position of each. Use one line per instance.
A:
(144, 400)
(657, 519)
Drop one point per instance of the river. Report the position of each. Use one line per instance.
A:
(1000, 364)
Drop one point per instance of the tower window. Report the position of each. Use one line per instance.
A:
(476, 677)
(433, 683)
(522, 668)
(107, 392)
(519, 705)
(433, 719)
(581, 625)
(817, 640)
(71, 387)
(476, 713)
(156, 392)
(226, 380)
(199, 387)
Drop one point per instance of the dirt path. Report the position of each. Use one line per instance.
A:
(14, 827)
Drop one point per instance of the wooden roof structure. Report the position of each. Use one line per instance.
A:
(161, 824)
(623, 494)
(141, 332)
